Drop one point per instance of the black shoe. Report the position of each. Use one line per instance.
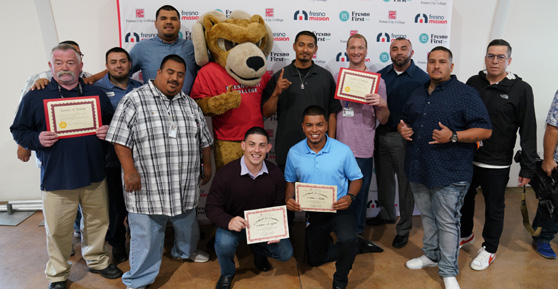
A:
(336, 285)
(367, 246)
(224, 282)
(119, 255)
(110, 272)
(262, 263)
(57, 285)
(376, 221)
(400, 241)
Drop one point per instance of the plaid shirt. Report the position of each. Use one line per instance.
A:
(169, 166)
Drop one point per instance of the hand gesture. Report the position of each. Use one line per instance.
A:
(372, 99)
(405, 130)
(442, 135)
(41, 83)
(282, 84)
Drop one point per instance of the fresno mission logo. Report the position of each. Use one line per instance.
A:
(342, 57)
(310, 16)
(430, 19)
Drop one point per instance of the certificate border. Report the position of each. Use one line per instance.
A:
(284, 235)
(50, 104)
(350, 97)
(297, 184)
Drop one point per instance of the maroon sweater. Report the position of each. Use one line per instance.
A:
(231, 194)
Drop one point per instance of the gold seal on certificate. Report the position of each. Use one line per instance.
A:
(266, 224)
(354, 85)
(316, 198)
(73, 116)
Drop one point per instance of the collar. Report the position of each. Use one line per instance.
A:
(410, 70)
(245, 171)
(158, 39)
(442, 85)
(294, 70)
(160, 94)
(53, 85)
(324, 150)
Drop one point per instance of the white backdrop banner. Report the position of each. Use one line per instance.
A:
(427, 23)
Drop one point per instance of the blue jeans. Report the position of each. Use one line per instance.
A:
(227, 241)
(440, 215)
(366, 165)
(147, 240)
(549, 228)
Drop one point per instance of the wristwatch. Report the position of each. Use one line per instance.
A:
(453, 137)
(353, 197)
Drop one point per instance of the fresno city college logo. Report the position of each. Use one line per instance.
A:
(383, 37)
(140, 13)
(342, 57)
(421, 18)
(310, 16)
(269, 12)
(132, 37)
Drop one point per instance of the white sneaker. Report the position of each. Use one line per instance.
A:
(199, 256)
(466, 240)
(483, 260)
(451, 283)
(420, 262)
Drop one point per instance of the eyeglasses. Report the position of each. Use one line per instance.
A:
(500, 57)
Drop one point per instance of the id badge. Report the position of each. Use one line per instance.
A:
(173, 130)
(348, 112)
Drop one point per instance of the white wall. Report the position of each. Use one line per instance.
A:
(530, 27)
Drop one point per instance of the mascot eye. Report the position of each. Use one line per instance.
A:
(226, 45)
(259, 43)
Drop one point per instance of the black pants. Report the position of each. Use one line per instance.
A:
(116, 234)
(320, 248)
(493, 184)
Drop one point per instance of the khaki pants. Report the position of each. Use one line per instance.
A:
(59, 210)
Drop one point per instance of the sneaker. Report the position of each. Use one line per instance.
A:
(544, 250)
(199, 257)
(483, 260)
(420, 262)
(466, 240)
(451, 283)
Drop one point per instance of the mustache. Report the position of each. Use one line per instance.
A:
(173, 82)
(62, 72)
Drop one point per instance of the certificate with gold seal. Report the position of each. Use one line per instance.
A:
(73, 116)
(316, 198)
(266, 224)
(354, 85)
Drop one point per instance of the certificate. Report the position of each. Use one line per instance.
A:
(266, 224)
(354, 85)
(73, 116)
(316, 198)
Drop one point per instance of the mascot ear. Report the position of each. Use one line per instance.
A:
(269, 41)
(198, 36)
(200, 47)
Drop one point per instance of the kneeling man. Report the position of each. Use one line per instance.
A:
(245, 184)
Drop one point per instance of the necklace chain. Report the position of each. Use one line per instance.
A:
(302, 79)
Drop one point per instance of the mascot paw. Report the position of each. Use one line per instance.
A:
(222, 103)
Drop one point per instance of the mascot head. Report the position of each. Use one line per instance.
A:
(239, 44)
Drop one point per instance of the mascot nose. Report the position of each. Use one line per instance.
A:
(255, 62)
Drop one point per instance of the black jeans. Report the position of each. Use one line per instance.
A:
(116, 234)
(320, 248)
(493, 184)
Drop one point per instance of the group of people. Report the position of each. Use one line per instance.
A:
(438, 138)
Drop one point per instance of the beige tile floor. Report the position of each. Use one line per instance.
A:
(23, 257)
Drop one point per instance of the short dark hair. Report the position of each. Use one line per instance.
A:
(117, 50)
(167, 8)
(442, 48)
(256, 130)
(359, 36)
(307, 33)
(172, 57)
(314, 110)
(500, 42)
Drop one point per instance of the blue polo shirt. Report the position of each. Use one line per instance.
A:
(457, 106)
(399, 88)
(116, 93)
(148, 54)
(334, 165)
